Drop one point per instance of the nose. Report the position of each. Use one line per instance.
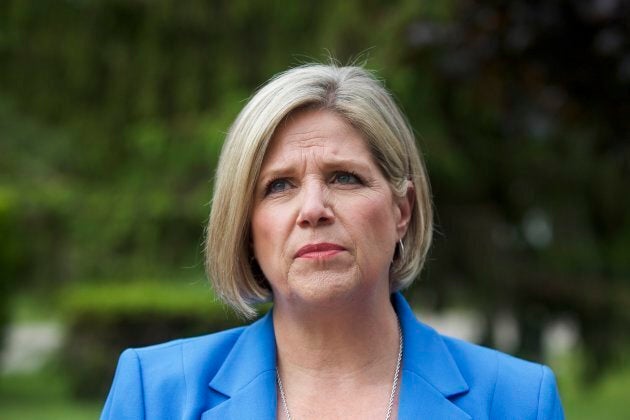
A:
(315, 209)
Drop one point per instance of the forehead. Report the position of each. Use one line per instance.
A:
(316, 131)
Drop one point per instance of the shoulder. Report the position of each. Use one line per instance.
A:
(481, 382)
(172, 359)
(505, 384)
(163, 377)
(476, 363)
(176, 352)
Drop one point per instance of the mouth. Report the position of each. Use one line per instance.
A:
(321, 250)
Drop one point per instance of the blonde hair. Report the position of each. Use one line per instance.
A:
(357, 96)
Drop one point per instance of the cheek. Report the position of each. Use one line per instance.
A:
(370, 225)
(377, 218)
(267, 234)
(260, 233)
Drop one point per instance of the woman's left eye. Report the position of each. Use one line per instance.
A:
(346, 178)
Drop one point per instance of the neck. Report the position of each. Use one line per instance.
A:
(338, 360)
(353, 338)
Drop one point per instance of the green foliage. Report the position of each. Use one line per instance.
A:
(11, 252)
(103, 319)
(604, 399)
(108, 300)
(42, 395)
(113, 115)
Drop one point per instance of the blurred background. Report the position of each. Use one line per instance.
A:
(113, 113)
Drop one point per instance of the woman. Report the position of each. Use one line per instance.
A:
(322, 205)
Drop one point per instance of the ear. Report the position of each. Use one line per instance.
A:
(405, 205)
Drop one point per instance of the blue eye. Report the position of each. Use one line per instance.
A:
(277, 185)
(346, 178)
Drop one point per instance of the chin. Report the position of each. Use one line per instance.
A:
(325, 287)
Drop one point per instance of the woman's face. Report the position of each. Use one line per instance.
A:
(325, 222)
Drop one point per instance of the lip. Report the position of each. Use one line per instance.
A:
(320, 250)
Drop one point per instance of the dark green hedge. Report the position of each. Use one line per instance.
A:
(104, 319)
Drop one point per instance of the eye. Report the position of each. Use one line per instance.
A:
(346, 178)
(277, 186)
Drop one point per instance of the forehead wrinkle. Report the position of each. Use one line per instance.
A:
(306, 139)
(294, 146)
(301, 157)
(286, 146)
(296, 159)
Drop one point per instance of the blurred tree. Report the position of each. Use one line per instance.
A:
(11, 256)
(113, 114)
(531, 163)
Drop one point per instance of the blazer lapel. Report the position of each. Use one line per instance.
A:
(430, 375)
(247, 378)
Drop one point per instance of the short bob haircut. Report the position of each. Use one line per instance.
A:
(357, 96)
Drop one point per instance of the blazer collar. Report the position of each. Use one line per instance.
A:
(247, 377)
(430, 375)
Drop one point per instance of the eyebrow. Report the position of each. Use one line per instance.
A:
(281, 170)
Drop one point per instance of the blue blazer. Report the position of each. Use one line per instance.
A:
(232, 375)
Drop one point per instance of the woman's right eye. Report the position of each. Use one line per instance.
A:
(277, 186)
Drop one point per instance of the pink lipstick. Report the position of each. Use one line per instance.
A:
(321, 250)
